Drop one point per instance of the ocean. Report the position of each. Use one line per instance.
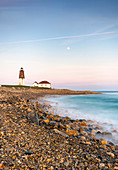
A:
(101, 109)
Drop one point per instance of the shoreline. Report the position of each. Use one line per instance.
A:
(104, 127)
(43, 92)
(32, 138)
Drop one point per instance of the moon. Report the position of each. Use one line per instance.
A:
(68, 48)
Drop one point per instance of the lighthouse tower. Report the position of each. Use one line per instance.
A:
(21, 77)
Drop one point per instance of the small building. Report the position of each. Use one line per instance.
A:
(42, 84)
(21, 77)
(35, 84)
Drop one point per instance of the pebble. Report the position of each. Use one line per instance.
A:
(1, 165)
(61, 133)
(101, 165)
(104, 142)
(111, 154)
(28, 153)
(31, 137)
(83, 124)
(83, 138)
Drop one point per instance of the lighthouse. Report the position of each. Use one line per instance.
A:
(21, 77)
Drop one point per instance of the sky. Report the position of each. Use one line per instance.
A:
(71, 43)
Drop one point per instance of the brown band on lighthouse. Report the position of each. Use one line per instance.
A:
(21, 74)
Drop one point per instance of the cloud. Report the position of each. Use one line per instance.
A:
(65, 37)
(109, 37)
(107, 27)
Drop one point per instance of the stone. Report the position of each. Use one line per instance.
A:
(101, 165)
(88, 143)
(66, 163)
(100, 157)
(81, 120)
(1, 165)
(103, 146)
(106, 134)
(61, 126)
(104, 142)
(83, 124)
(51, 167)
(116, 164)
(28, 153)
(116, 153)
(84, 133)
(111, 154)
(111, 143)
(53, 124)
(72, 132)
(82, 138)
(46, 121)
(61, 133)
(63, 144)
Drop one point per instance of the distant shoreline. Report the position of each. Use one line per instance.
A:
(45, 91)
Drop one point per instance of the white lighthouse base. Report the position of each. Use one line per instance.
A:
(21, 82)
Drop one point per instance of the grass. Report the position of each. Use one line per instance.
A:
(28, 87)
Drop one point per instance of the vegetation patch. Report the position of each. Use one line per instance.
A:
(28, 87)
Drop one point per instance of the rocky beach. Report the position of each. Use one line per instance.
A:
(33, 138)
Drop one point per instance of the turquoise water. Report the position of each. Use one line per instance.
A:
(101, 108)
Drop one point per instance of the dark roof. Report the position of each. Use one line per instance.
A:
(35, 82)
(44, 82)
